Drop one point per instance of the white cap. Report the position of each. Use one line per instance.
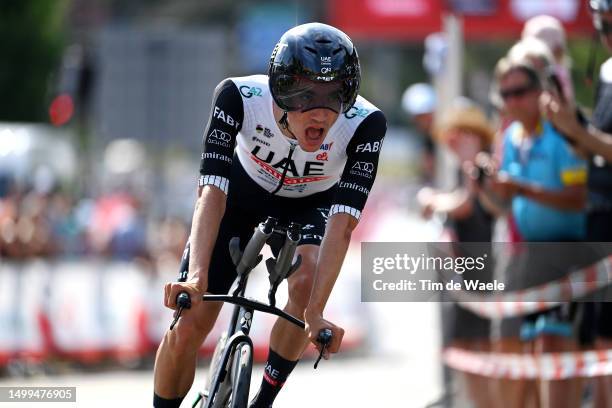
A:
(547, 29)
(419, 99)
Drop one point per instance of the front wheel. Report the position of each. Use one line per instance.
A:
(241, 375)
(222, 395)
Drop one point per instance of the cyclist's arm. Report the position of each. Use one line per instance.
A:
(333, 250)
(218, 148)
(353, 189)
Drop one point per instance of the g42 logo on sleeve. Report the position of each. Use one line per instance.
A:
(248, 91)
(354, 111)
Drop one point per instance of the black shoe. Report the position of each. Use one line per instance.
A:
(252, 404)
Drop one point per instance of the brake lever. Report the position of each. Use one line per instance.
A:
(324, 338)
(183, 301)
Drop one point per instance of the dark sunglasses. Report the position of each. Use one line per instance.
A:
(517, 92)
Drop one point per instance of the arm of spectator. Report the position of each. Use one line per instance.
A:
(456, 204)
(589, 139)
(596, 142)
(492, 204)
(570, 198)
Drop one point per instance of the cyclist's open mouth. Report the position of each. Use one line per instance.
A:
(314, 135)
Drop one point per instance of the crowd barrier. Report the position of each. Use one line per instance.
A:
(546, 366)
(575, 285)
(91, 311)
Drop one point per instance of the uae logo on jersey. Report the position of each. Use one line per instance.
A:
(312, 171)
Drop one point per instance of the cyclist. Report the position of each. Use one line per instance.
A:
(301, 145)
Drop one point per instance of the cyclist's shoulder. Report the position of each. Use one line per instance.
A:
(363, 102)
(364, 118)
(363, 113)
(251, 86)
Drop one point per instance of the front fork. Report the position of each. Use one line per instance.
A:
(242, 322)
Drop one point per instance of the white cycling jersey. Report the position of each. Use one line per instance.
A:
(263, 150)
(242, 125)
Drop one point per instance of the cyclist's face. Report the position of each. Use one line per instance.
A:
(311, 127)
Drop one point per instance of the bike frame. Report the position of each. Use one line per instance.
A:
(238, 330)
(240, 323)
(239, 333)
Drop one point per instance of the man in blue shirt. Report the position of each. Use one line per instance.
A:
(550, 183)
(540, 173)
(546, 184)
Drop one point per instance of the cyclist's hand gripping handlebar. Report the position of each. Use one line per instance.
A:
(183, 301)
(324, 339)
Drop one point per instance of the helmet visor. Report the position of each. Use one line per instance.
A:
(304, 95)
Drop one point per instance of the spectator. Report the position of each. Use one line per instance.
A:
(532, 51)
(544, 181)
(550, 31)
(9, 213)
(466, 131)
(538, 192)
(597, 141)
(117, 227)
(419, 101)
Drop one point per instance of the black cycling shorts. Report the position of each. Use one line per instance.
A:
(247, 205)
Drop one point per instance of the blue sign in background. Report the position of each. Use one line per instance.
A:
(260, 28)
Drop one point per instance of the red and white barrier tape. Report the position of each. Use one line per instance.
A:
(573, 286)
(546, 366)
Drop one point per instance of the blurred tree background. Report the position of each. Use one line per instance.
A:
(31, 45)
(35, 34)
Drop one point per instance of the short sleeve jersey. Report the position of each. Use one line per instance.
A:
(548, 161)
(242, 126)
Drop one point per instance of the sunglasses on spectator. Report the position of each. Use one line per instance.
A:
(517, 92)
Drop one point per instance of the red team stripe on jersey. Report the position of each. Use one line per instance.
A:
(288, 180)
